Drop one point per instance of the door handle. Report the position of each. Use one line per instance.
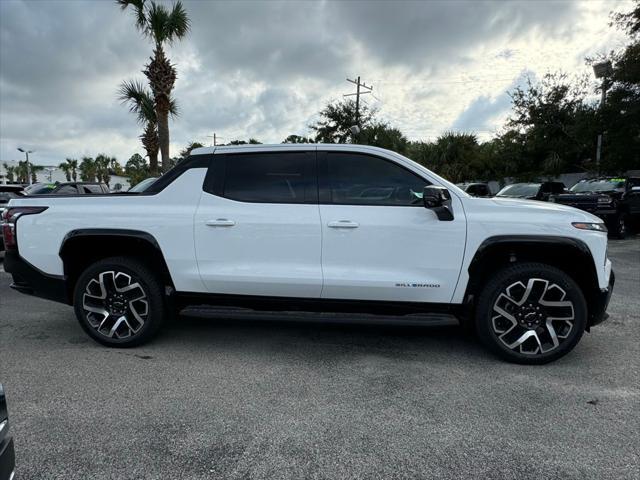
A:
(343, 224)
(220, 222)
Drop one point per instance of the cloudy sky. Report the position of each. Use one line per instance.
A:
(264, 69)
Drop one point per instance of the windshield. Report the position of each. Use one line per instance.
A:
(519, 190)
(143, 185)
(602, 185)
(39, 189)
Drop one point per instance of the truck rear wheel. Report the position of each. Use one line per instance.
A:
(531, 313)
(119, 302)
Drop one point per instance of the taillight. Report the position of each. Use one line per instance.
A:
(9, 218)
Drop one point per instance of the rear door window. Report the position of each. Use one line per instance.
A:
(278, 177)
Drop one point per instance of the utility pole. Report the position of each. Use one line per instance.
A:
(215, 139)
(358, 92)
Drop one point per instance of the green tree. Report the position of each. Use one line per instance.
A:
(381, 135)
(10, 172)
(620, 115)
(162, 26)
(337, 118)
(557, 124)
(70, 167)
(298, 139)
(136, 169)
(251, 141)
(187, 150)
(87, 169)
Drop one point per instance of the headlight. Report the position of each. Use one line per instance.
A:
(605, 200)
(598, 227)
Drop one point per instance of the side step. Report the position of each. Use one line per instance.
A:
(412, 319)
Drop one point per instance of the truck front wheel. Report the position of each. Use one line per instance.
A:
(531, 313)
(119, 302)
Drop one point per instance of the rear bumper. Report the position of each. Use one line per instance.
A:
(32, 281)
(7, 459)
(598, 306)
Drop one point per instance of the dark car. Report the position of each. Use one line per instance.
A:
(7, 454)
(614, 199)
(67, 188)
(532, 191)
(476, 189)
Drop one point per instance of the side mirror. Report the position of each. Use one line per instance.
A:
(438, 199)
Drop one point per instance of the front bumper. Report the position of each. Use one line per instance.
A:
(600, 302)
(7, 459)
(32, 281)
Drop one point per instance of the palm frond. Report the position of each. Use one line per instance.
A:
(178, 22)
(138, 5)
(157, 21)
(134, 94)
(174, 110)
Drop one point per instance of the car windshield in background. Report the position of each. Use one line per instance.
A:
(143, 185)
(519, 190)
(605, 185)
(6, 196)
(39, 189)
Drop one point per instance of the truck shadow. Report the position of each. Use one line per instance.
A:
(305, 335)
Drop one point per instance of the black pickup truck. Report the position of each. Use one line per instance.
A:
(614, 199)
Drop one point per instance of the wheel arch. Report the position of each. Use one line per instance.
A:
(83, 247)
(570, 255)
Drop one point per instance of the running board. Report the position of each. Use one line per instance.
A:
(412, 319)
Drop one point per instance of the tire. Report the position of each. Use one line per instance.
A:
(620, 226)
(133, 302)
(531, 297)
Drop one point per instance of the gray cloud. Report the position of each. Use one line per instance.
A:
(254, 68)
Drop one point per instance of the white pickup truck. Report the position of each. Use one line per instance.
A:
(354, 230)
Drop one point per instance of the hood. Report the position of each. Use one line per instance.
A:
(520, 208)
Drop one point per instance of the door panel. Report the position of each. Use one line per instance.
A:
(256, 248)
(385, 247)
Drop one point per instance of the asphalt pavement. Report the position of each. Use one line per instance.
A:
(241, 399)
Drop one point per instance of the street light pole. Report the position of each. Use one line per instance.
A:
(27, 152)
(602, 70)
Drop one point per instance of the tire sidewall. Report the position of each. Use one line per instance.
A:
(150, 286)
(522, 272)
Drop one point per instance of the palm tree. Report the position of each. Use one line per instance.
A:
(73, 164)
(141, 102)
(10, 172)
(69, 167)
(34, 172)
(87, 169)
(161, 26)
(102, 163)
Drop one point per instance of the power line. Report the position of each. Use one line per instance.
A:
(367, 89)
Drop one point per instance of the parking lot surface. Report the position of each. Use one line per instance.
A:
(220, 398)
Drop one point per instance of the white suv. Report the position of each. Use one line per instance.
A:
(345, 228)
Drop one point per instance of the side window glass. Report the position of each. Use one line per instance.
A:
(359, 179)
(67, 190)
(268, 177)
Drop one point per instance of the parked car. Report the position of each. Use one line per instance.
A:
(532, 191)
(7, 454)
(476, 189)
(143, 185)
(67, 188)
(616, 200)
(346, 228)
(7, 192)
